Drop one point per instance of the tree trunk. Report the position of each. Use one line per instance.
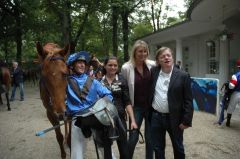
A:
(67, 24)
(79, 32)
(6, 50)
(125, 34)
(153, 16)
(18, 37)
(105, 40)
(114, 31)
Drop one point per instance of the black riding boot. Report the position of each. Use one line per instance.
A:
(228, 120)
(107, 147)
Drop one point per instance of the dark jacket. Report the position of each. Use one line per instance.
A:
(119, 89)
(17, 75)
(179, 96)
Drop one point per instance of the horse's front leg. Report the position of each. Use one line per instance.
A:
(8, 103)
(69, 134)
(67, 130)
(54, 120)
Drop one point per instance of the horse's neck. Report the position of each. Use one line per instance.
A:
(45, 93)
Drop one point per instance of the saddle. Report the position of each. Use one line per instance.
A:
(103, 110)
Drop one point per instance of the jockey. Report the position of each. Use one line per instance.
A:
(77, 63)
(235, 97)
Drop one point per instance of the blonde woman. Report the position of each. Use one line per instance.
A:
(137, 73)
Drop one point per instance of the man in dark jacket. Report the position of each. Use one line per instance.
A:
(17, 81)
(172, 108)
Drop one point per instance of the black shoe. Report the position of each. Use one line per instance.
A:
(11, 100)
(228, 124)
(229, 116)
(21, 99)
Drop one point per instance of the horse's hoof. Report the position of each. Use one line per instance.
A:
(64, 157)
(9, 109)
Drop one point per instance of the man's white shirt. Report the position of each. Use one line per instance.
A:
(160, 101)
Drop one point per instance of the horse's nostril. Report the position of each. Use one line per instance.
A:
(60, 117)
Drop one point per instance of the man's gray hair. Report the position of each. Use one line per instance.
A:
(16, 63)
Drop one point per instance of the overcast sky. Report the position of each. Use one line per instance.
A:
(176, 5)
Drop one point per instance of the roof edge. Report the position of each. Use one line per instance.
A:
(172, 26)
(192, 6)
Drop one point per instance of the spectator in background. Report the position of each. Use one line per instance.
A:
(235, 97)
(98, 74)
(179, 64)
(95, 62)
(90, 71)
(17, 81)
(137, 73)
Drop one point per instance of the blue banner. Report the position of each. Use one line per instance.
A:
(205, 94)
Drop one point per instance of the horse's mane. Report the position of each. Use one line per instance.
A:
(51, 48)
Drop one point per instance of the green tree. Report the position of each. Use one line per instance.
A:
(127, 7)
(140, 29)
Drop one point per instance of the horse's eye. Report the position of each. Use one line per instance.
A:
(65, 75)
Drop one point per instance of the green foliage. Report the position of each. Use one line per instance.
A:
(172, 21)
(49, 21)
(140, 30)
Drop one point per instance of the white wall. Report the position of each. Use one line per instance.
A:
(233, 26)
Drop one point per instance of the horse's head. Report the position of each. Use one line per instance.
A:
(54, 75)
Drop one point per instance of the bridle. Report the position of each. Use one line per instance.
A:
(42, 82)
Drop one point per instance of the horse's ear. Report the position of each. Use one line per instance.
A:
(64, 52)
(40, 50)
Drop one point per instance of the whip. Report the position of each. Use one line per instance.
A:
(41, 133)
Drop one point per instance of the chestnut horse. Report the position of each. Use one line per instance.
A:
(53, 82)
(5, 78)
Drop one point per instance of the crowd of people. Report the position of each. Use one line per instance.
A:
(155, 92)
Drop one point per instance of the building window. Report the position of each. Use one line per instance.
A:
(213, 61)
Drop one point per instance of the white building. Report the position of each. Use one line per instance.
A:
(208, 42)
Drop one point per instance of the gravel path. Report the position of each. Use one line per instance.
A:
(18, 127)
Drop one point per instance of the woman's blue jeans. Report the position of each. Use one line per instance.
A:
(140, 114)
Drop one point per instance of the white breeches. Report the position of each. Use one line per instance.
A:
(78, 142)
(234, 100)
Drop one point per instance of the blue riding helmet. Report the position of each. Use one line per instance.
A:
(82, 55)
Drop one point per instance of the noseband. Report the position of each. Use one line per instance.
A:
(52, 58)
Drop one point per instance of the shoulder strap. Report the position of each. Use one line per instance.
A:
(86, 87)
(81, 94)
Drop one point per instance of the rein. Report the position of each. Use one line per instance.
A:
(139, 132)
